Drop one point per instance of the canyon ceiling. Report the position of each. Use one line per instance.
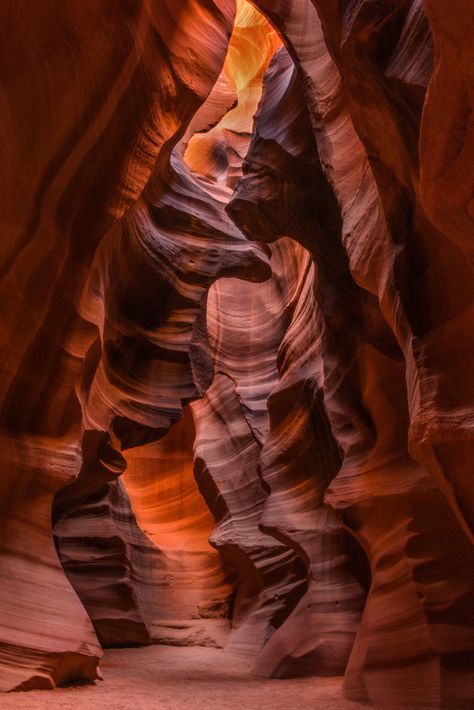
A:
(237, 332)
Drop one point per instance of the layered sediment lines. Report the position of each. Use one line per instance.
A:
(189, 580)
(267, 378)
(155, 355)
(373, 349)
(97, 136)
(231, 424)
(109, 561)
(237, 343)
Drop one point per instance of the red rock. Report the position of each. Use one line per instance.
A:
(187, 579)
(110, 91)
(373, 417)
(303, 281)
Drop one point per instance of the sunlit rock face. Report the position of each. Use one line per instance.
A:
(188, 585)
(370, 255)
(259, 430)
(218, 153)
(112, 90)
(237, 340)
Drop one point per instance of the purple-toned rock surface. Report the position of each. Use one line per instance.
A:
(237, 309)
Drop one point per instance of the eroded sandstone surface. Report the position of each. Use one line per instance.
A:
(237, 340)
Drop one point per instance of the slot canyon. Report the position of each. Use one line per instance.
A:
(237, 354)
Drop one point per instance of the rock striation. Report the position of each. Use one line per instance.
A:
(374, 336)
(96, 138)
(237, 347)
(189, 582)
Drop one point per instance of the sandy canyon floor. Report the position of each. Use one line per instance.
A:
(172, 678)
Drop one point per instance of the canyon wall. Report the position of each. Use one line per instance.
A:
(108, 91)
(409, 642)
(237, 344)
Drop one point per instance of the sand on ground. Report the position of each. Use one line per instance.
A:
(174, 678)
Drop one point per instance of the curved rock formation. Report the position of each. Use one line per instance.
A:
(301, 278)
(231, 423)
(108, 561)
(264, 377)
(218, 151)
(269, 578)
(87, 156)
(179, 255)
(153, 353)
(188, 582)
(364, 381)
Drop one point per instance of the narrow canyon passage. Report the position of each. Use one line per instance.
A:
(237, 397)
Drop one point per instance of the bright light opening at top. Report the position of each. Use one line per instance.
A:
(217, 151)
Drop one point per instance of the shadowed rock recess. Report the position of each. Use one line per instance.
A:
(237, 340)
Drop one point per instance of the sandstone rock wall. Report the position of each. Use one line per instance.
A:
(301, 278)
(94, 96)
(364, 71)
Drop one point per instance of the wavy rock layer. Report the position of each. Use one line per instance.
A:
(274, 376)
(189, 581)
(367, 240)
(108, 561)
(96, 137)
(327, 449)
(267, 576)
(154, 355)
(231, 422)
